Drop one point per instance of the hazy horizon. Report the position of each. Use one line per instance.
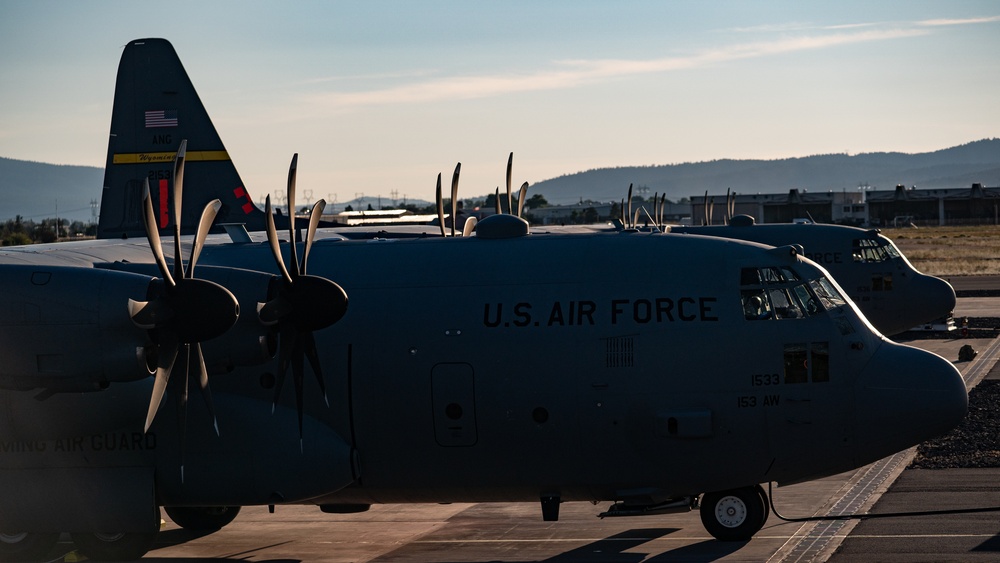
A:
(381, 97)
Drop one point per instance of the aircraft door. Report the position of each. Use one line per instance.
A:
(454, 405)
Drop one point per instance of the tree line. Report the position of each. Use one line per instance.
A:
(18, 231)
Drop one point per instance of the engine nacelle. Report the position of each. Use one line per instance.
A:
(249, 342)
(68, 328)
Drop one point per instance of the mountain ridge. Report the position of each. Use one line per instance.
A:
(37, 190)
(952, 167)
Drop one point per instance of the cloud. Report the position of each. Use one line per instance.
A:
(573, 73)
(947, 22)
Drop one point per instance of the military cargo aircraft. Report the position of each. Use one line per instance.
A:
(635, 368)
(892, 294)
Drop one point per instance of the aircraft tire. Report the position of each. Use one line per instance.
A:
(767, 505)
(26, 546)
(202, 518)
(734, 515)
(114, 547)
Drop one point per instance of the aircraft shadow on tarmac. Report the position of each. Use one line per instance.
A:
(613, 549)
(170, 538)
(991, 545)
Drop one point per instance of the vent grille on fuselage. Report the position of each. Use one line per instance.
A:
(620, 352)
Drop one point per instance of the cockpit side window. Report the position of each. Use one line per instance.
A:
(779, 293)
(827, 294)
(890, 248)
(873, 250)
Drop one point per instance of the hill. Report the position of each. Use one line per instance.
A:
(954, 167)
(34, 189)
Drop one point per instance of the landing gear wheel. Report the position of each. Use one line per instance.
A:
(202, 518)
(767, 505)
(25, 546)
(734, 515)
(115, 546)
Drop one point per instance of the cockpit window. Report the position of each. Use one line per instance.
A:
(828, 295)
(874, 250)
(779, 293)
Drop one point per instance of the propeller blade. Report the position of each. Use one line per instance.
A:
(470, 226)
(298, 372)
(198, 360)
(663, 201)
(286, 348)
(292, 170)
(510, 164)
(272, 239)
(520, 198)
(153, 234)
(166, 356)
(711, 209)
(440, 206)
(204, 224)
(311, 354)
(632, 225)
(149, 314)
(496, 199)
(178, 196)
(454, 198)
(314, 216)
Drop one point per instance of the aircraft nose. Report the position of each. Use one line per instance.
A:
(938, 294)
(905, 396)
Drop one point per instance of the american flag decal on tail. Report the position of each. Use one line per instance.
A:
(161, 118)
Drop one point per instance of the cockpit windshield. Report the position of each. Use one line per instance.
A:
(779, 293)
(871, 250)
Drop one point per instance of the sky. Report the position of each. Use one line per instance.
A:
(380, 97)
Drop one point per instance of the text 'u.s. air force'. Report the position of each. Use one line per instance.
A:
(612, 312)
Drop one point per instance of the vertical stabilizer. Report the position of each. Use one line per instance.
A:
(155, 107)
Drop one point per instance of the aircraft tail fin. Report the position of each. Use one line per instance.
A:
(156, 106)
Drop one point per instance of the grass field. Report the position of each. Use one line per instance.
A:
(956, 251)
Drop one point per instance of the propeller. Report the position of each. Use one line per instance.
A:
(299, 303)
(183, 311)
(520, 195)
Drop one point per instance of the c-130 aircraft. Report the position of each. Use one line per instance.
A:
(551, 381)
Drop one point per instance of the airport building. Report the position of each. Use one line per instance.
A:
(977, 205)
(824, 207)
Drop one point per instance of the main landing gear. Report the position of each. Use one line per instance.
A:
(735, 515)
(202, 518)
(26, 546)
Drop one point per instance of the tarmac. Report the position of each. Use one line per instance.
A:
(515, 532)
